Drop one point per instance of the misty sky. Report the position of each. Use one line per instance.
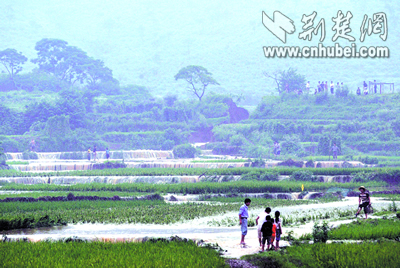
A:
(147, 42)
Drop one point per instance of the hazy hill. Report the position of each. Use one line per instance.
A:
(147, 42)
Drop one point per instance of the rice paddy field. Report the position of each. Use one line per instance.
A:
(131, 224)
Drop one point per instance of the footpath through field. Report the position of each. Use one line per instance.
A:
(227, 238)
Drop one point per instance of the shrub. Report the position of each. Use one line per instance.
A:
(322, 98)
(73, 155)
(260, 163)
(256, 151)
(109, 164)
(323, 146)
(269, 176)
(347, 165)
(369, 160)
(302, 175)
(184, 151)
(167, 145)
(224, 149)
(310, 163)
(26, 155)
(320, 233)
(253, 175)
(291, 163)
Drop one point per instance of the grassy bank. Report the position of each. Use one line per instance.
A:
(195, 188)
(97, 254)
(384, 254)
(367, 229)
(201, 171)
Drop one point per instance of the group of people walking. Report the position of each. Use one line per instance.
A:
(268, 229)
(94, 153)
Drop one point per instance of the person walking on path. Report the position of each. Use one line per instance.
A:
(107, 153)
(278, 229)
(260, 221)
(243, 216)
(335, 150)
(266, 230)
(363, 201)
(33, 145)
(277, 149)
(88, 154)
(94, 153)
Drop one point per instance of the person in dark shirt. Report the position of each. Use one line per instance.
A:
(266, 231)
(363, 201)
(107, 153)
(358, 91)
(365, 88)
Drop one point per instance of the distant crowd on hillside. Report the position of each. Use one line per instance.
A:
(332, 87)
(323, 87)
(365, 92)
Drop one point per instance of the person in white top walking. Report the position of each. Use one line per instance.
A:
(260, 220)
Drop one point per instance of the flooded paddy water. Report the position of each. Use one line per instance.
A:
(227, 238)
(220, 229)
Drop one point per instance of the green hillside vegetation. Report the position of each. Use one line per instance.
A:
(308, 125)
(365, 128)
(71, 101)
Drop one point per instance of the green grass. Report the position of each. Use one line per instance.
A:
(36, 194)
(369, 255)
(13, 214)
(222, 161)
(17, 162)
(195, 188)
(197, 171)
(98, 254)
(394, 197)
(380, 173)
(367, 229)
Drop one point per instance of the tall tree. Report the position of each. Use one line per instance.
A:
(59, 59)
(12, 61)
(287, 80)
(198, 78)
(95, 72)
(70, 63)
(51, 53)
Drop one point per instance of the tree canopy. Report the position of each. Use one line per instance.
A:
(287, 80)
(198, 79)
(70, 63)
(12, 61)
